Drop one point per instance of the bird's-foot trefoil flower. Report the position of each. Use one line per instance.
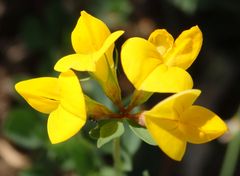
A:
(94, 44)
(176, 121)
(62, 98)
(159, 63)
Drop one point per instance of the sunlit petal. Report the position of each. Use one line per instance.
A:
(162, 40)
(89, 34)
(72, 98)
(186, 48)
(166, 79)
(108, 43)
(62, 125)
(139, 57)
(41, 93)
(167, 136)
(80, 62)
(89, 62)
(175, 121)
(201, 125)
(172, 107)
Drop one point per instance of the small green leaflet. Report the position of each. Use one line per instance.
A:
(141, 132)
(106, 131)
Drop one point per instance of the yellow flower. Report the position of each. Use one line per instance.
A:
(93, 44)
(175, 121)
(159, 63)
(62, 98)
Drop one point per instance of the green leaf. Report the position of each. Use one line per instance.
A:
(130, 142)
(95, 132)
(141, 132)
(109, 131)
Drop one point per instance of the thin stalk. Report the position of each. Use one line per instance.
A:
(231, 157)
(117, 157)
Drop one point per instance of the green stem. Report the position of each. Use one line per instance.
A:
(231, 156)
(117, 156)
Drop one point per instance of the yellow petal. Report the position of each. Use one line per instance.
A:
(163, 122)
(186, 48)
(166, 79)
(201, 125)
(78, 62)
(172, 107)
(104, 53)
(162, 40)
(167, 136)
(72, 98)
(89, 34)
(88, 62)
(42, 94)
(62, 125)
(139, 57)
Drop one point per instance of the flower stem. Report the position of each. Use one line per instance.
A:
(117, 157)
(231, 156)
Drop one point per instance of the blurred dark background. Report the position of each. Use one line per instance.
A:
(34, 34)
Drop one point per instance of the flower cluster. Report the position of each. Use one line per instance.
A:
(158, 64)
